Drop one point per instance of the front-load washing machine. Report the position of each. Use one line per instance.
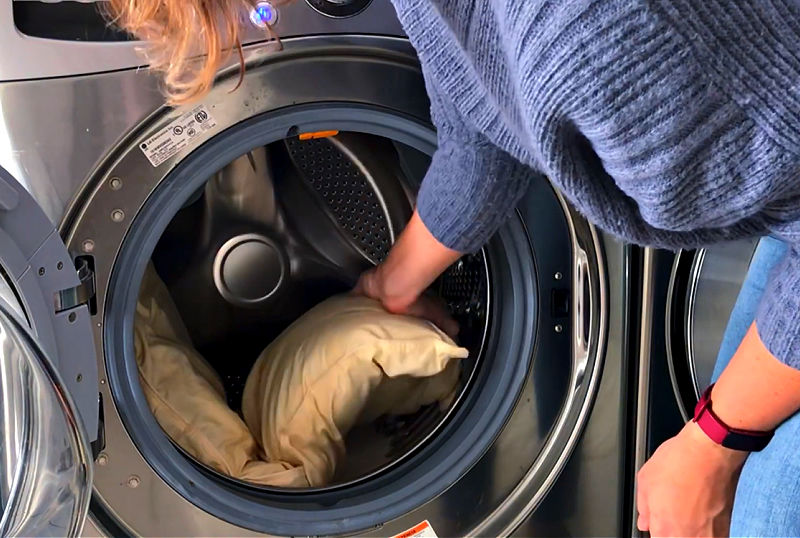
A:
(253, 205)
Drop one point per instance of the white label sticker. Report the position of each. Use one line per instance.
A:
(423, 530)
(177, 135)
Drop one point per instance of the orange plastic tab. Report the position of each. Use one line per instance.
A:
(317, 134)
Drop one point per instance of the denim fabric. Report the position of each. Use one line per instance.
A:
(768, 495)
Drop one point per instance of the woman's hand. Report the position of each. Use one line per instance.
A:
(687, 487)
(416, 259)
(424, 306)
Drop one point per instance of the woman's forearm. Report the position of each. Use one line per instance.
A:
(756, 391)
(414, 262)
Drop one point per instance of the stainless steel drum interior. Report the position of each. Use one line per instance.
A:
(287, 225)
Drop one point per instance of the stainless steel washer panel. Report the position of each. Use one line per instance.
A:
(36, 58)
(716, 279)
(52, 163)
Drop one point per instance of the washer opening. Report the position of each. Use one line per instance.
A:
(287, 225)
(704, 286)
(517, 326)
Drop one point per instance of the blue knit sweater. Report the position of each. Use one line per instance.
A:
(673, 123)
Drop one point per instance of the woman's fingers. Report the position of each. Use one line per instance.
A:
(434, 310)
(643, 519)
(687, 486)
(426, 306)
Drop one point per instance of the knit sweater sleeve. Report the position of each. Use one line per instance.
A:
(471, 186)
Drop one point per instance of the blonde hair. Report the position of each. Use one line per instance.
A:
(187, 40)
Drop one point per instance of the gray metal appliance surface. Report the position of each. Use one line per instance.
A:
(98, 178)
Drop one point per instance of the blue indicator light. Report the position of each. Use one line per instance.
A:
(264, 14)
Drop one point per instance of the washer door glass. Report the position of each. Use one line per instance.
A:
(45, 463)
(703, 290)
(48, 374)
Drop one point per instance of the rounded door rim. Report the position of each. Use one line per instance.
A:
(46, 350)
(43, 491)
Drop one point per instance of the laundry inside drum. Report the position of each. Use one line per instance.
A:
(284, 227)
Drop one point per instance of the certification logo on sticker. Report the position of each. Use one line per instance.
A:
(423, 530)
(177, 135)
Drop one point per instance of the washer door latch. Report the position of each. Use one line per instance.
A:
(83, 293)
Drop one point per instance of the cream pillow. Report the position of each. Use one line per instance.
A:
(344, 362)
(188, 399)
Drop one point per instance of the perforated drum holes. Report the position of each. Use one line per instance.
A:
(463, 286)
(346, 192)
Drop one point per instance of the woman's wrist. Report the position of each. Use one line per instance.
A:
(415, 261)
(392, 289)
(723, 459)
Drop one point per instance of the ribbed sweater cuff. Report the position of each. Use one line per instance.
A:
(468, 192)
(778, 316)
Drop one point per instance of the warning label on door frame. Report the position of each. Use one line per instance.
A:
(180, 132)
(423, 530)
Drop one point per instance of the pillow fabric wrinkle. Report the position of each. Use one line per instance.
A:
(187, 427)
(345, 362)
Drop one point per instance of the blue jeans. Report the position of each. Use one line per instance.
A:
(768, 495)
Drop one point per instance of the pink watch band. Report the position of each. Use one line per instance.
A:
(721, 433)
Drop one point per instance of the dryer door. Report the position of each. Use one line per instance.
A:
(704, 285)
(48, 374)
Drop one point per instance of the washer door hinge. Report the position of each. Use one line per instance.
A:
(83, 293)
(99, 444)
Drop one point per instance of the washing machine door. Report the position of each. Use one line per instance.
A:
(48, 374)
